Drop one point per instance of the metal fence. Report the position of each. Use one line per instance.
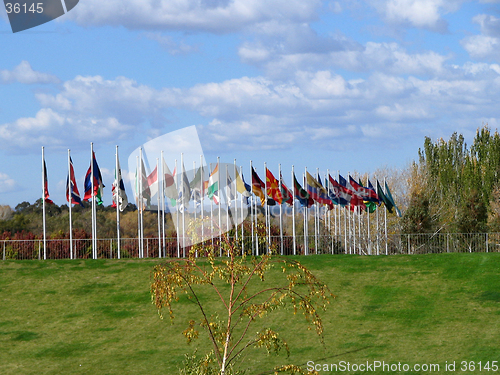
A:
(321, 244)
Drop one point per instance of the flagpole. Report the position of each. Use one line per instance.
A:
(293, 213)
(306, 219)
(117, 202)
(202, 198)
(43, 206)
(242, 218)
(219, 195)
(228, 197)
(385, 219)
(235, 220)
(327, 183)
(158, 191)
(281, 210)
(378, 229)
(94, 250)
(194, 196)
(163, 205)
(316, 219)
(266, 211)
(254, 216)
(211, 212)
(141, 190)
(138, 197)
(70, 196)
(183, 208)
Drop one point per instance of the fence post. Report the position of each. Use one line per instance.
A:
(447, 243)
(408, 242)
(486, 242)
(3, 257)
(111, 248)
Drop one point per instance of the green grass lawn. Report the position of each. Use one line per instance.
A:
(95, 317)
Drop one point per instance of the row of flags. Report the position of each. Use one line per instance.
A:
(345, 193)
(93, 173)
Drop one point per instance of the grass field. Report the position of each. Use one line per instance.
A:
(95, 317)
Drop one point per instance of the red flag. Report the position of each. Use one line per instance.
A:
(46, 185)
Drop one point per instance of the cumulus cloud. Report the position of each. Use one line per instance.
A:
(424, 14)
(24, 73)
(216, 16)
(279, 59)
(264, 113)
(487, 44)
(7, 184)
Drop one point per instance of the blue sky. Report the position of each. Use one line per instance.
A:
(342, 85)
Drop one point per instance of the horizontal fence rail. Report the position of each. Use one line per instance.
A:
(284, 245)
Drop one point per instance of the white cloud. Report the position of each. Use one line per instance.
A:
(259, 112)
(7, 184)
(24, 73)
(487, 44)
(280, 56)
(217, 16)
(424, 14)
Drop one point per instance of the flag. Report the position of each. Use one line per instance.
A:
(356, 201)
(170, 190)
(365, 193)
(302, 195)
(257, 186)
(98, 184)
(389, 197)
(75, 194)
(242, 187)
(118, 190)
(184, 191)
(338, 193)
(153, 182)
(197, 191)
(230, 190)
(286, 193)
(317, 192)
(213, 185)
(388, 204)
(46, 185)
(273, 187)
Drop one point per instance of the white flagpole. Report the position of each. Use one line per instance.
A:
(183, 208)
(327, 183)
(378, 237)
(163, 205)
(43, 206)
(141, 201)
(281, 210)
(70, 196)
(138, 197)
(316, 219)
(177, 208)
(158, 191)
(228, 197)
(306, 219)
(293, 213)
(385, 219)
(235, 217)
(253, 204)
(268, 218)
(242, 218)
(251, 207)
(202, 198)
(117, 201)
(212, 213)
(194, 196)
(219, 195)
(94, 250)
